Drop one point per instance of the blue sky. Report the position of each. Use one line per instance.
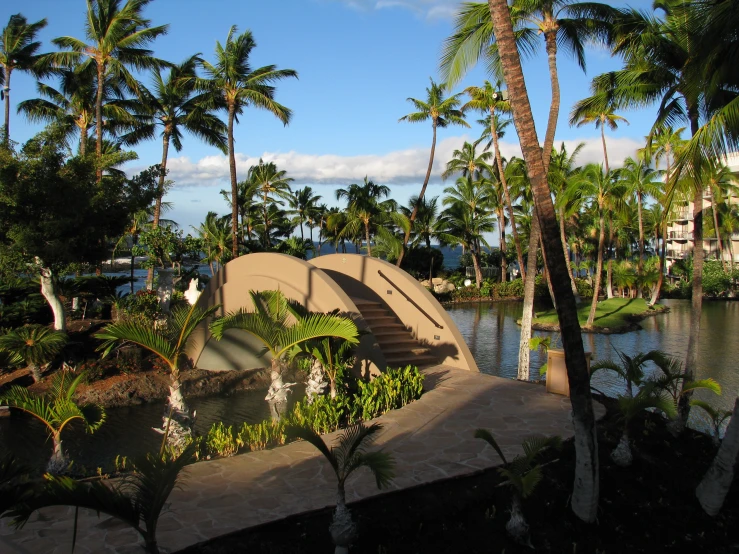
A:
(358, 61)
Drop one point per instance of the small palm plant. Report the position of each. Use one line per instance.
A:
(673, 382)
(137, 499)
(631, 368)
(56, 409)
(332, 354)
(169, 342)
(349, 455)
(35, 345)
(648, 397)
(522, 475)
(282, 325)
(717, 417)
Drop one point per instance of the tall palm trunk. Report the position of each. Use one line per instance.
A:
(99, 123)
(661, 277)
(563, 238)
(641, 231)
(234, 188)
(160, 194)
(367, 238)
(585, 492)
(6, 93)
(476, 263)
(609, 271)
(83, 140)
(503, 247)
(534, 234)
(717, 481)
(598, 272)
(506, 192)
(691, 358)
(714, 206)
(414, 213)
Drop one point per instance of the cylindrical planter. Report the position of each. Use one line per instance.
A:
(557, 381)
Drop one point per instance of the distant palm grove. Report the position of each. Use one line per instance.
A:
(663, 221)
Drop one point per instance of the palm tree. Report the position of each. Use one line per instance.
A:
(116, 38)
(464, 223)
(585, 493)
(18, 50)
(349, 455)
(601, 190)
(330, 354)
(662, 65)
(137, 499)
(56, 409)
(631, 406)
(564, 172)
(522, 476)
(631, 368)
(71, 108)
(35, 345)
(365, 209)
(215, 233)
(174, 104)
(169, 342)
(304, 205)
(282, 325)
(721, 183)
(269, 182)
(640, 181)
(490, 100)
(240, 86)
(602, 118)
(442, 112)
(467, 162)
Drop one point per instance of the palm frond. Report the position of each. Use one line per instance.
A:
(485, 435)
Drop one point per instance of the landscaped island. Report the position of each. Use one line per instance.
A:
(615, 315)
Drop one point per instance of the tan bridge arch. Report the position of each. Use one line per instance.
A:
(350, 283)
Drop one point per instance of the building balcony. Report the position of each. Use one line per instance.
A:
(677, 254)
(681, 214)
(680, 235)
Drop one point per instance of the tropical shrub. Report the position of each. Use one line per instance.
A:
(222, 441)
(260, 436)
(393, 389)
(418, 261)
(144, 302)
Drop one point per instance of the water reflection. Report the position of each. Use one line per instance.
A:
(492, 334)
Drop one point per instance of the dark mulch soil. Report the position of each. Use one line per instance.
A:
(650, 508)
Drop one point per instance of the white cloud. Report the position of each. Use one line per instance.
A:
(401, 167)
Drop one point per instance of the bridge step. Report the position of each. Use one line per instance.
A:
(397, 343)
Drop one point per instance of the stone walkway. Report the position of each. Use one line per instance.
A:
(430, 439)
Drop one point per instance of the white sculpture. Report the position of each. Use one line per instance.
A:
(192, 293)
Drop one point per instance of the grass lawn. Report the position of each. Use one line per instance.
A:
(612, 313)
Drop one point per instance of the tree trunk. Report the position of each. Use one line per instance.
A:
(622, 455)
(585, 492)
(476, 263)
(661, 277)
(35, 372)
(691, 358)
(234, 187)
(609, 271)
(99, 121)
(641, 233)
(6, 93)
(714, 206)
(414, 214)
(83, 140)
(598, 273)
(177, 421)
(563, 238)
(58, 462)
(501, 239)
(524, 350)
(509, 205)
(516, 526)
(48, 290)
(715, 485)
(367, 238)
(343, 530)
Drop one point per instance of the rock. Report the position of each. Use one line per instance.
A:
(426, 283)
(437, 281)
(444, 287)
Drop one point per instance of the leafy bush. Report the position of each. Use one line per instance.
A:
(222, 441)
(145, 302)
(584, 288)
(393, 389)
(417, 261)
(715, 279)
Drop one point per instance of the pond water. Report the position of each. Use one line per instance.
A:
(492, 334)
(491, 331)
(128, 431)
